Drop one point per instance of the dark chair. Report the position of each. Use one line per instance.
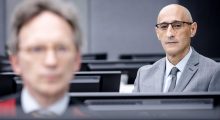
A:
(5, 65)
(7, 85)
(95, 56)
(128, 67)
(152, 57)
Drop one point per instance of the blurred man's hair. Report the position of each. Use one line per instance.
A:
(29, 9)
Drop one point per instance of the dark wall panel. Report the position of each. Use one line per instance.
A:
(206, 13)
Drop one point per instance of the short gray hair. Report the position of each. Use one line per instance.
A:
(31, 8)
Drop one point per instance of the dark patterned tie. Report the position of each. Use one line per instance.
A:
(173, 73)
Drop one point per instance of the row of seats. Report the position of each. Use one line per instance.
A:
(119, 71)
(101, 81)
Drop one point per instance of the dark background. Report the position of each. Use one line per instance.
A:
(207, 15)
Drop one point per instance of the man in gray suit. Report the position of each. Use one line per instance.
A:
(183, 69)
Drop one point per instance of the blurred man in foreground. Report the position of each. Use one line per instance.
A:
(44, 49)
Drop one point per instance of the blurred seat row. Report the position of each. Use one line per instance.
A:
(97, 73)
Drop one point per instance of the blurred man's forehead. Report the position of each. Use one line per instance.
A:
(46, 26)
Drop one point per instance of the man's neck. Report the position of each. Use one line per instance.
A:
(175, 59)
(45, 100)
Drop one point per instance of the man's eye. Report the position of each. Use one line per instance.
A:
(163, 26)
(62, 49)
(177, 25)
(37, 49)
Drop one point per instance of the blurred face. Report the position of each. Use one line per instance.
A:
(47, 56)
(174, 30)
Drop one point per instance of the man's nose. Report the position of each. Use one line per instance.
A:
(170, 31)
(51, 58)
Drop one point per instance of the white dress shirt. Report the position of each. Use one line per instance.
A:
(181, 65)
(29, 104)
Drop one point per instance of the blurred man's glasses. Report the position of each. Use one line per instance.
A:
(38, 51)
(176, 25)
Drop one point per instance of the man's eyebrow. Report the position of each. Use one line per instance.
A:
(170, 22)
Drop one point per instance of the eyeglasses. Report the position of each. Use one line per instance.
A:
(175, 25)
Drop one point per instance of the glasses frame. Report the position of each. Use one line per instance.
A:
(183, 22)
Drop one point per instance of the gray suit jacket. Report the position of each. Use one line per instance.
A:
(200, 74)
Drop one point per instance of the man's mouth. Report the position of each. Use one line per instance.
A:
(173, 42)
(52, 77)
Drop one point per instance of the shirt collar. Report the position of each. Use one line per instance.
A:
(29, 104)
(181, 65)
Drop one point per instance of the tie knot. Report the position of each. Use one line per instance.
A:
(174, 71)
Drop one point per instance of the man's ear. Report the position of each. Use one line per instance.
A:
(15, 63)
(77, 62)
(193, 29)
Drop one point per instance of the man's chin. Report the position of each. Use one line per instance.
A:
(171, 53)
(171, 50)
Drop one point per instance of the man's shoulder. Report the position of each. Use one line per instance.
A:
(10, 97)
(199, 58)
(207, 60)
(8, 105)
(155, 65)
(207, 64)
(201, 61)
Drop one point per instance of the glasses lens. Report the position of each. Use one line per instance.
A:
(177, 25)
(163, 26)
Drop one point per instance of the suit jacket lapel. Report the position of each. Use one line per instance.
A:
(158, 76)
(190, 69)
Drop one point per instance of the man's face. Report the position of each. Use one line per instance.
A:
(176, 38)
(47, 56)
